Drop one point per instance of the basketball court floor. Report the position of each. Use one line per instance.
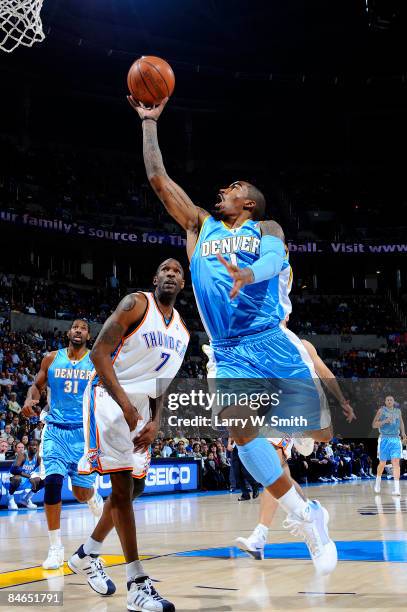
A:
(187, 543)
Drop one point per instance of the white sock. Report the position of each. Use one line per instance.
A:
(11, 498)
(92, 547)
(135, 570)
(292, 502)
(262, 530)
(29, 495)
(397, 486)
(378, 479)
(55, 537)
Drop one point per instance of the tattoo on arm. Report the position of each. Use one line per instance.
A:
(151, 151)
(179, 198)
(128, 302)
(174, 198)
(272, 228)
(105, 344)
(110, 336)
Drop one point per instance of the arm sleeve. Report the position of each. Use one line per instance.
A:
(270, 262)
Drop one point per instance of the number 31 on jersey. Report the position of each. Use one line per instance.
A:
(71, 386)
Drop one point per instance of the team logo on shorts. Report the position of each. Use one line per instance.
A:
(92, 456)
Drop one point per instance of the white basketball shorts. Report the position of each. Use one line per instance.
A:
(109, 443)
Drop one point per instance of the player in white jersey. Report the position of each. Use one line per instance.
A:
(137, 353)
(255, 543)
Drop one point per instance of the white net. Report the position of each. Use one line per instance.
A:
(20, 23)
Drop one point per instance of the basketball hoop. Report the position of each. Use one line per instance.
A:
(20, 23)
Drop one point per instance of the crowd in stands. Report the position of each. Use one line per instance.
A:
(61, 300)
(80, 185)
(345, 315)
(389, 361)
(312, 314)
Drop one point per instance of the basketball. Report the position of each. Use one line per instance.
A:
(150, 80)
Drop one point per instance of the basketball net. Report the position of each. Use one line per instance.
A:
(20, 23)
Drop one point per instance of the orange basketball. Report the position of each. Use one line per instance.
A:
(150, 80)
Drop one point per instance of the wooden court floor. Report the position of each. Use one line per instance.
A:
(188, 545)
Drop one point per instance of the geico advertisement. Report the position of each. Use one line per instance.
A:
(161, 478)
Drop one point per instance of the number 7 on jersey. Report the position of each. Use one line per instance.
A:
(165, 357)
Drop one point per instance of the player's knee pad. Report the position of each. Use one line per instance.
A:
(138, 487)
(260, 459)
(53, 489)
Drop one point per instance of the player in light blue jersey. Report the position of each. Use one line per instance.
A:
(389, 422)
(241, 278)
(66, 373)
(23, 474)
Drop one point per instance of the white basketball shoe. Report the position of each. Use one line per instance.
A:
(55, 558)
(91, 567)
(254, 544)
(142, 596)
(312, 525)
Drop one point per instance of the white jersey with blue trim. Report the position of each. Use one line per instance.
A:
(259, 306)
(150, 355)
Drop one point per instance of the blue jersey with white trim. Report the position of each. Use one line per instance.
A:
(67, 382)
(393, 428)
(259, 306)
(29, 466)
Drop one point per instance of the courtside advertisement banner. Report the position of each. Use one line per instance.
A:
(164, 476)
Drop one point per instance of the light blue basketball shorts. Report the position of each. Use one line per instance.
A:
(61, 450)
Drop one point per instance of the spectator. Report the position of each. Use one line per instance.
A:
(196, 451)
(15, 426)
(24, 440)
(168, 448)
(3, 449)
(7, 432)
(36, 434)
(5, 379)
(13, 404)
(180, 450)
(155, 450)
(299, 466)
(212, 477)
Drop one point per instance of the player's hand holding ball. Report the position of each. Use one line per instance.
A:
(147, 113)
(151, 82)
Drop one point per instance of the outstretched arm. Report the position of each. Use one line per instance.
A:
(329, 380)
(175, 200)
(130, 310)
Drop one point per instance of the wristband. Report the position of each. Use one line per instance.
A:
(148, 119)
